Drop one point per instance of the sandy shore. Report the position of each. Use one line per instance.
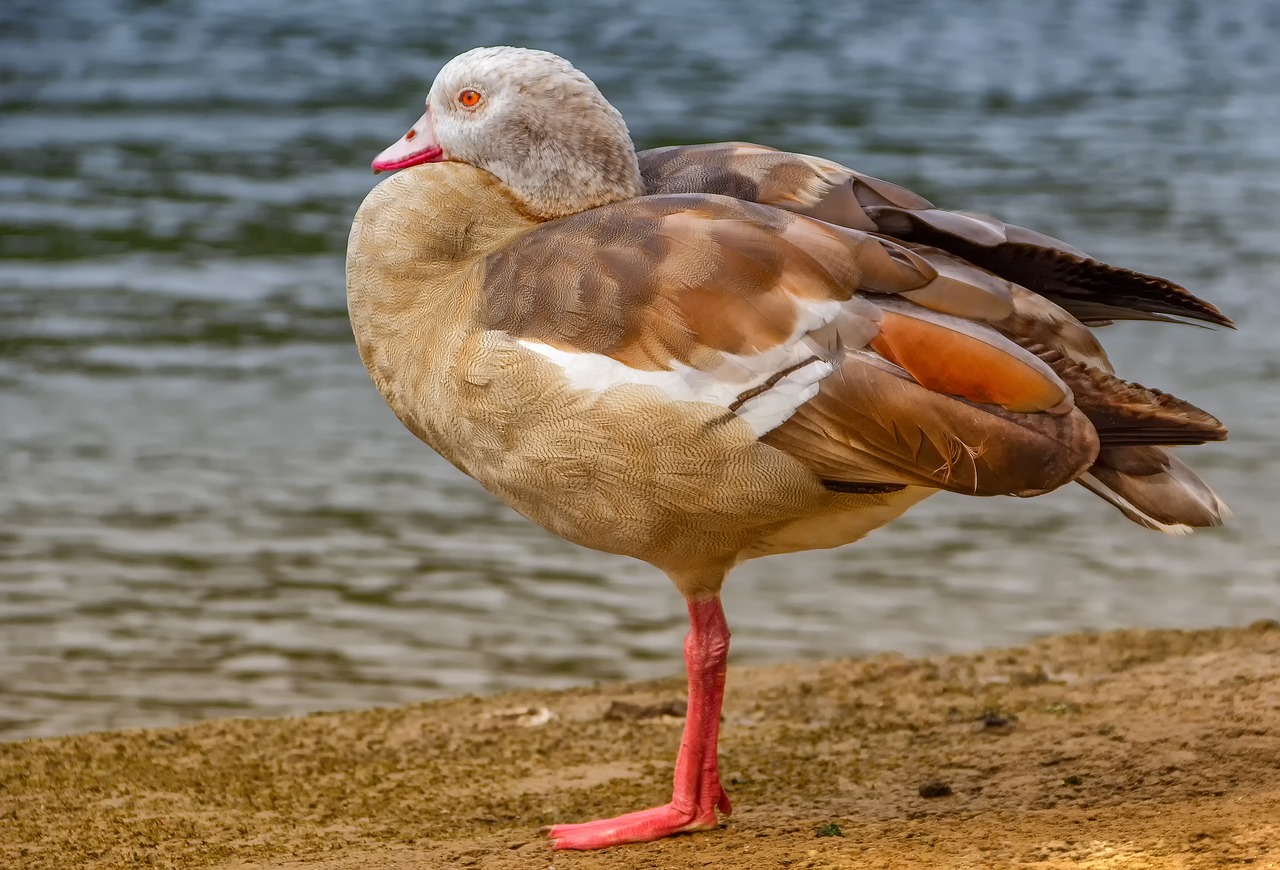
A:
(1129, 749)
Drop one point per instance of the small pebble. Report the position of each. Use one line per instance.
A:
(520, 717)
(934, 789)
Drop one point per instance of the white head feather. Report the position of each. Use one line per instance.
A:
(540, 125)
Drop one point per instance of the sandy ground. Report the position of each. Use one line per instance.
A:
(1130, 749)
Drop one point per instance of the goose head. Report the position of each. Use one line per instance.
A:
(531, 119)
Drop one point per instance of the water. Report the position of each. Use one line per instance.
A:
(206, 510)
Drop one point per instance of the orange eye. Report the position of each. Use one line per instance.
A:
(469, 98)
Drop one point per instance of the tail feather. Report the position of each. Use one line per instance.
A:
(1155, 489)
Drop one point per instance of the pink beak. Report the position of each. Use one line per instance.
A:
(419, 145)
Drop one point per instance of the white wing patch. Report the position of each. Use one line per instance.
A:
(775, 382)
(773, 406)
(764, 388)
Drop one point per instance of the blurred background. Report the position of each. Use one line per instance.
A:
(206, 509)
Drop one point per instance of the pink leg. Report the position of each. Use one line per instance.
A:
(697, 793)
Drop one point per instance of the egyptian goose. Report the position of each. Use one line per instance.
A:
(701, 355)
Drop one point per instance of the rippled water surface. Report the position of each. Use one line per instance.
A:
(206, 509)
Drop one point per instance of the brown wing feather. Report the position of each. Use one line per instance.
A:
(675, 278)
(870, 424)
(1127, 413)
(1092, 291)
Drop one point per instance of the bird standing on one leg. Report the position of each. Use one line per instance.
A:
(705, 354)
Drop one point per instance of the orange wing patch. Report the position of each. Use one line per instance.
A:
(947, 361)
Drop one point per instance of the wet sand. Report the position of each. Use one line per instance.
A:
(1128, 749)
